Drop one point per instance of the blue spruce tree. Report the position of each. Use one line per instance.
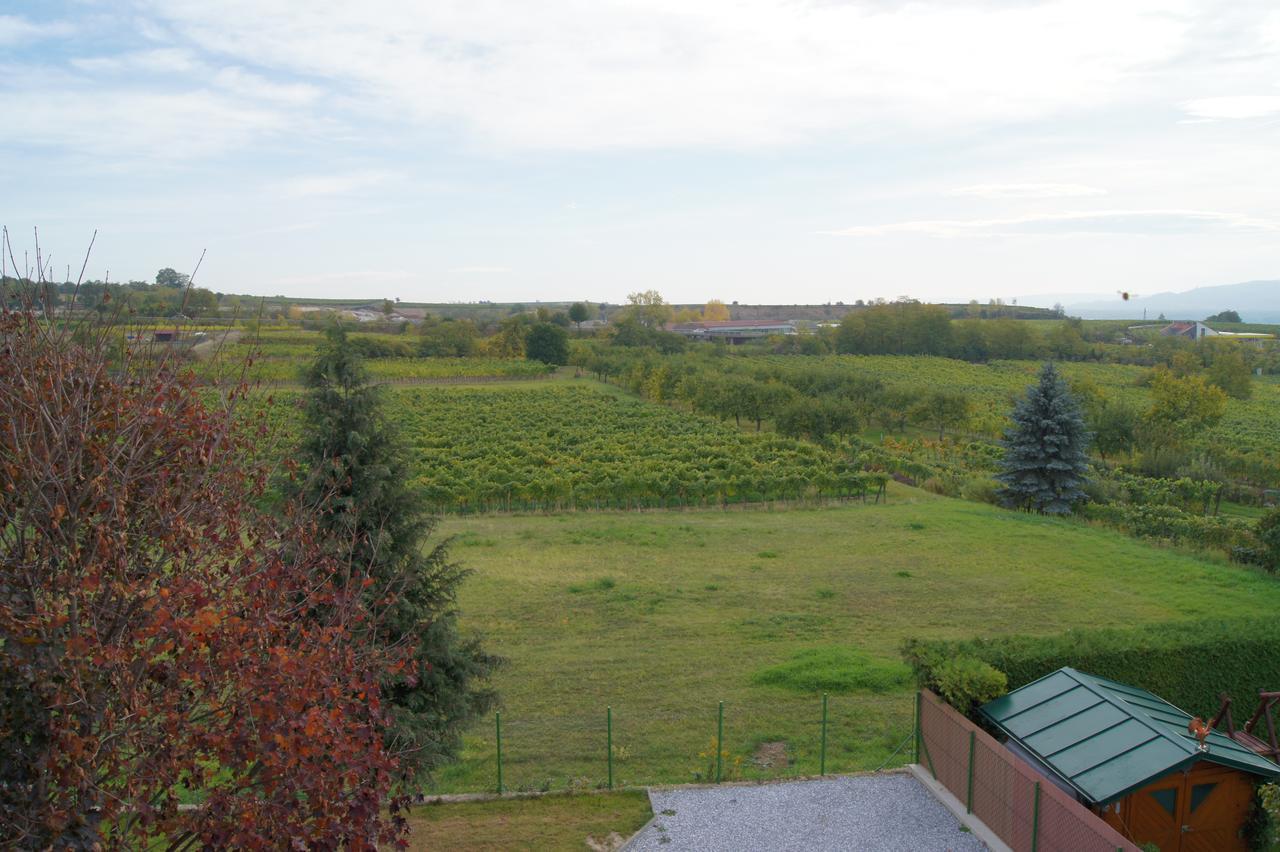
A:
(1045, 464)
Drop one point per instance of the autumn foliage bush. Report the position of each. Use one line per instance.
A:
(162, 638)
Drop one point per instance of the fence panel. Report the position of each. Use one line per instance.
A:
(1061, 830)
(1018, 804)
(945, 745)
(1004, 794)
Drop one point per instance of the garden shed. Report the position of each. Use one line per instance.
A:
(1128, 754)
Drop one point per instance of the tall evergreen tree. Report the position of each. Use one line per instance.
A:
(355, 481)
(1045, 464)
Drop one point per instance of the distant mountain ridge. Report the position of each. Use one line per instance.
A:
(1255, 301)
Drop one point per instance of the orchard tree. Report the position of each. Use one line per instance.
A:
(1230, 371)
(373, 521)
(648, 309)
(158, 631)
(1045, 461)
(548, 343)
(715, 311)
(1114, 424)
(579, 313)
(169, 277)
(942, 409)
(1181, 406)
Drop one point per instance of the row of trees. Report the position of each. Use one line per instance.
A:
(166, 632)
(170, 294)
(815, 403)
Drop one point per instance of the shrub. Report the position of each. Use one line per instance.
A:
(1173, 524)
(981, 490)
(1268, 533)
(935, 485)
(966, 682)
(1264, 825)
(1187, 663)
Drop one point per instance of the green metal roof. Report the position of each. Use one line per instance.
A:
(1106, 739)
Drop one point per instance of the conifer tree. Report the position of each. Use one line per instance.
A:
(355, 482)
(1045, 463)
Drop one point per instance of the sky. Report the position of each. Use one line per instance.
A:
(762, 151)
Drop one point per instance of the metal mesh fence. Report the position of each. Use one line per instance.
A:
(1022, 807)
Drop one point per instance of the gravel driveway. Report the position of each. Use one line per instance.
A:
(867, 812)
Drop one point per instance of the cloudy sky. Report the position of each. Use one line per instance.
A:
(751, 150)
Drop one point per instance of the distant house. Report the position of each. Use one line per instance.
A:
(1190, 330)
(1199, 331)
(733, 331)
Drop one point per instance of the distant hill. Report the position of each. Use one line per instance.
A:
(1255, 301)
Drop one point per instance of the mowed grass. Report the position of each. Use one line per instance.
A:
(550, 822)
(662, 614)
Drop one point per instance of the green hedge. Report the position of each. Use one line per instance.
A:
(1187, 663)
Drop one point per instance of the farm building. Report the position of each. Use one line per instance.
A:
(1129, 755)
(1199, 331)
(734, 331)
(1189, 330)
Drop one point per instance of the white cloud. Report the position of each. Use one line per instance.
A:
(481, 270)
(1234, 106)
(15, 30)
(1028, 190)
(165, 60)
(570, 74)
(1142, 222)
(244, 83)
(116, 124)
(361, 278)
(313, 186)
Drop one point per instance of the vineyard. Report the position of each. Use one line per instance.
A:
(278, 356)
(1244, 441)
(575, 447)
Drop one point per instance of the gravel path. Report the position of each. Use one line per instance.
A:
(868, 812)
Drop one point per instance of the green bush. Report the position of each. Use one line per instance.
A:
(1264, 825)
(981, 490)
(1268, 535)
(967, 682)
(1169, 523)
(1187, 663)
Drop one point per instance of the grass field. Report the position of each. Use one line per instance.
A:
(663, 614)
(544, 823)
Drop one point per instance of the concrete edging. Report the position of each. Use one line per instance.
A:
(968, 820)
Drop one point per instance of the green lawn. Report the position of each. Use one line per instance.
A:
(663, 614)
(545, 823)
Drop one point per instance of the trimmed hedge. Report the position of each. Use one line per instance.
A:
(1186, 663)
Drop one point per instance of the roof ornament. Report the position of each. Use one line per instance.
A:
(1197, 728)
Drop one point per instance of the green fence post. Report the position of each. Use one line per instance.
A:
(720, 742)
(917, 730)
(822, 759)
(1035, 820)
(497, 725)
(608, 716)
(968, 805)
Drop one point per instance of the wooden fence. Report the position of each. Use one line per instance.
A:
(1022, 807)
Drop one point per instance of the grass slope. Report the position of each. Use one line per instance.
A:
(663, 614)
(547, 823)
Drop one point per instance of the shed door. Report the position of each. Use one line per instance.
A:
(1216, 803)
(1155, 814)
(1198, 811)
